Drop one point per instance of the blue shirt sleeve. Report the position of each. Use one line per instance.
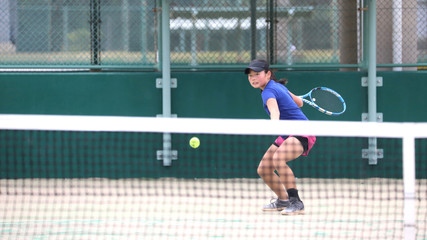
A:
(267, 94)
(287, 107)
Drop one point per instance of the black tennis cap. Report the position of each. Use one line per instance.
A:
(257, 66)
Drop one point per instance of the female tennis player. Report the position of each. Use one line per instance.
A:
(280, 104)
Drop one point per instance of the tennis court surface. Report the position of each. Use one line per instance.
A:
(200, 209)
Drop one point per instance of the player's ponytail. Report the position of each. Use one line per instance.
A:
(283, 81)
(272, 77)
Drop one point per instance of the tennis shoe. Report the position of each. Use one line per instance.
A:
(296, 207)
(277, 205)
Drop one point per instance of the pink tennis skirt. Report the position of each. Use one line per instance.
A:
(311, 141)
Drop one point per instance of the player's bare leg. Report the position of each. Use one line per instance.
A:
(290, 149)
(266, 172)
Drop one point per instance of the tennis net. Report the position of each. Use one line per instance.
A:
(84, 177)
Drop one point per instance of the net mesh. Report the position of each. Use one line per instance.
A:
(105, 180)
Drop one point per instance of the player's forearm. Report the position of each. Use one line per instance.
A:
(275, 115)
(297, 100)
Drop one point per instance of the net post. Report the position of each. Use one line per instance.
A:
(409, 187)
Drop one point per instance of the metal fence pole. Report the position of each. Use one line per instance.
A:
(95, 31)
(364, 38)
(372, 76)
(253, 29)
(397, 34)
(144, 38)
(271, 31)
(166, 80)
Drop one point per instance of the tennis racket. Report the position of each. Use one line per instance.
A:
(325, 100)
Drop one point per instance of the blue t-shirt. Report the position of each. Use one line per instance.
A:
(289, 110)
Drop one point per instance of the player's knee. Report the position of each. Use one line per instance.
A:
(264, 169)
(278, 163)
(261, 170)
(280, 159)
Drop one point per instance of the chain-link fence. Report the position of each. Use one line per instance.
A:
(402, 31)
(77, 32)
(127, 33)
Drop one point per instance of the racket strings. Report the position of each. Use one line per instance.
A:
(327, 100)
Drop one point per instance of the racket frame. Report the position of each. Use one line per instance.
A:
(322, 110)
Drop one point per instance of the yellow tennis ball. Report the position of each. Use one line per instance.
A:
(194, 142)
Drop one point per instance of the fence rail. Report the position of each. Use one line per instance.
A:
(209, 34)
